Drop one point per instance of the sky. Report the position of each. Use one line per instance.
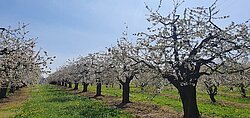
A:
(72, 28)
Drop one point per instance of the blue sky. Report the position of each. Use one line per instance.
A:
(70, 28)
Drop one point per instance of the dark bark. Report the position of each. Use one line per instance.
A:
(120, 86)
(126, 90)
(243, 90)
(3, 92)
(76, 86)
(212, 98)
(12, 89)
(65, 84)
(189, 102)
(125, 93)
(17, 87)
(98, 89)
(85, 86)
(142, 89)
(231, 88)
(62, 83)
(188, 97)
(53, 82)
(70, 85)
(58, 83)
(212, 91)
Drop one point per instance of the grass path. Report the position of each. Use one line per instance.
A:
(47, 101)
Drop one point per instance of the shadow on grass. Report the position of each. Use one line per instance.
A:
(97, 97)
(4, 99)
(123, 105)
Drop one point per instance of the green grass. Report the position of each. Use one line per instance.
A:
(49, 101)
(170, 98)
(12, 105)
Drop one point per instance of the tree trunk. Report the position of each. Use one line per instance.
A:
(125, 92)
(212, 98)
(120, 86)
(212, 91)
(70, 85)
(62, 83)
(189, 103)
(243, 91)
(65, 84)
(142, 89)
(17, 87)
(85, 86)
(76, 86)
(98, 89)
(3, 92)
(12, 89)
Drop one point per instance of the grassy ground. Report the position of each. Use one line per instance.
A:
(11, 105)
(49, 101)
(229, 104)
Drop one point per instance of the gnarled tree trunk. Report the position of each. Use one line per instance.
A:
(126, 90)
(76, 86)
(212, 98)
(65, 84)
(120, 86)
(58, 83)
(3, 91)
(85, 86)
(188, 97)
(12, 88)
(98, 88)
(189, 102)
(243, 90)
(70, 85)
(17, 87)
(212, 91)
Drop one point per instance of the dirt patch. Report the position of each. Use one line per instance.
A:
(10, 106)
(137, 109)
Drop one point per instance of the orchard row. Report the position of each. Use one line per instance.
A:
(180, 48)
